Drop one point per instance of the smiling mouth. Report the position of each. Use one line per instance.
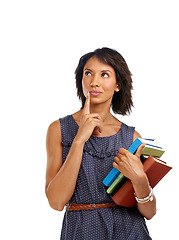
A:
(95, 93)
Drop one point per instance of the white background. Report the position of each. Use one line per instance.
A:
(40, 45)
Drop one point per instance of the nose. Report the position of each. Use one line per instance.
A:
(94, 82)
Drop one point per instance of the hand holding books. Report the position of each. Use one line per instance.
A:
(129, 164)
(151, 148)
(120, 187)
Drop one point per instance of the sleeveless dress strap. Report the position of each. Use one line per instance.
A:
(68, 130)
(127, 135)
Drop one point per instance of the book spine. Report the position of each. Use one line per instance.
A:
(132, 149)
(110, 178)
(115, 183)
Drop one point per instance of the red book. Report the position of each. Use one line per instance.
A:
(155, 169)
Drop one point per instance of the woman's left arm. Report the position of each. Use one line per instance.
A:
(131, 166)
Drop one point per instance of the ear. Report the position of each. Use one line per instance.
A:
(117, 89)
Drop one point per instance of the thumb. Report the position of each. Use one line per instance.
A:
(139, 150)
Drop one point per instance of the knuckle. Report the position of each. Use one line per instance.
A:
(120, 150)
(114, 164)
(99, 116)
(128, 155)
(84, 116)
(117, 160)
(91, 121)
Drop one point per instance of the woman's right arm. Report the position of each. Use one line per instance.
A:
(61, 177)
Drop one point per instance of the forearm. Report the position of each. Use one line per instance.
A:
(61, 188)
(142, 189)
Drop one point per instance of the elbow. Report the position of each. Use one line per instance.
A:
(56, 206)
(151, 215)
(54, 203)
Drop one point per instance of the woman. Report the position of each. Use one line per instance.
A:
(83, 147)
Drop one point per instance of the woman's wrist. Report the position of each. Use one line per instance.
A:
(147, 198)
(141, 186)
(140, 180)
(78, 141)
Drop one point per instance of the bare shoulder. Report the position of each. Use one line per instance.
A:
(54, 126)
(54, 131)
(136, 135)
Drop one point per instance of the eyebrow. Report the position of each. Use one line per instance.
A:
(105, 70)
(88, 69)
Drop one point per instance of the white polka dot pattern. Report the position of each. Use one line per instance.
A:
(108, 223)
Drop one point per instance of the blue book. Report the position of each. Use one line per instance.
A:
(110, 178)
(151, 148)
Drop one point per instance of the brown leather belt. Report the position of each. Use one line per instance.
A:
(78, 207)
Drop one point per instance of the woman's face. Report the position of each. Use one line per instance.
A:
(99, 79)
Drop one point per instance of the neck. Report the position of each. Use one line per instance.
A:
(104, 112)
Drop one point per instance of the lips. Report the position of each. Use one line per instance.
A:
(95, 93)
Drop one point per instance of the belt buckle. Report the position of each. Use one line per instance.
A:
(94, 206)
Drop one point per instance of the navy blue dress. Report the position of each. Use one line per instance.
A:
(105, 223)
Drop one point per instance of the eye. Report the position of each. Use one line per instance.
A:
(105, 75)
(88, 73)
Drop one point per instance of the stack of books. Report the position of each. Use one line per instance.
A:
(121, 189)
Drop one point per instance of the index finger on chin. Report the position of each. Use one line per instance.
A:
(86, 109)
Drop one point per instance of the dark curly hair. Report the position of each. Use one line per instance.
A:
(122, 100)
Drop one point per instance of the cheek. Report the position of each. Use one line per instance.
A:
(110, 86)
